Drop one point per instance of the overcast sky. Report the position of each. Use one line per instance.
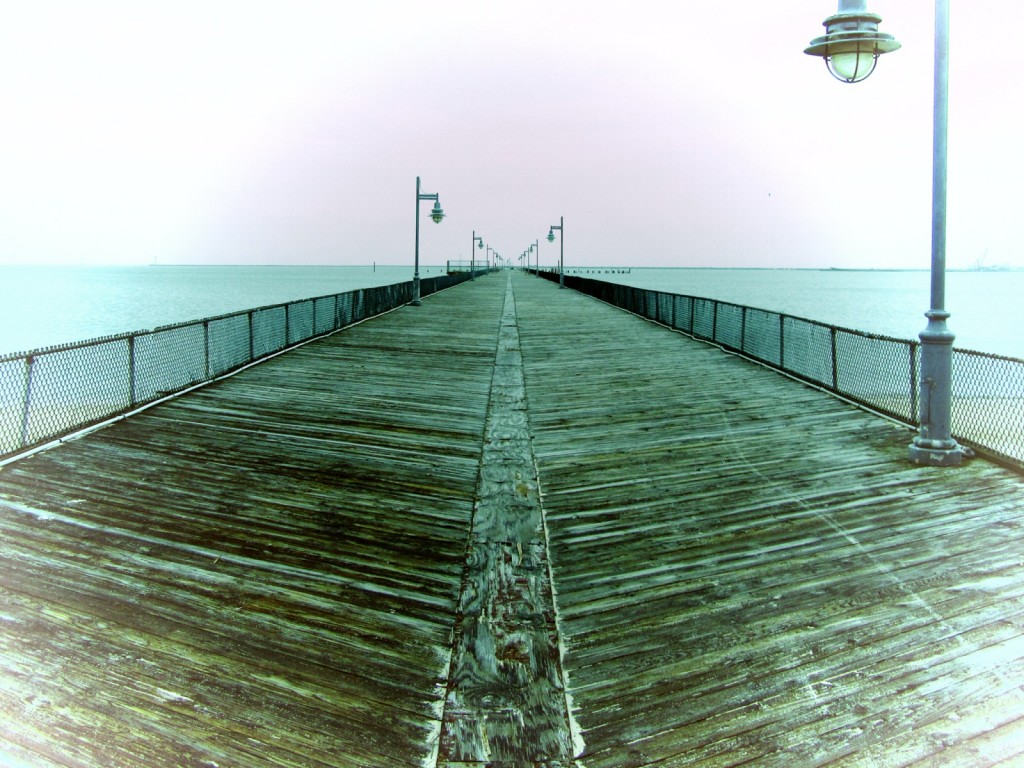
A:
(667, 133)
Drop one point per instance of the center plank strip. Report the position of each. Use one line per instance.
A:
(506, 696)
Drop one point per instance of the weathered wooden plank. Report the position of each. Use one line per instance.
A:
(505, 702)
(263, 572)
(748, 570)
(268, 571)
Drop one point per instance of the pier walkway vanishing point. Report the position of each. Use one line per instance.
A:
(511, 527)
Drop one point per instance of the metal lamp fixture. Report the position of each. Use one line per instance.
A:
(561, 248)
(437, 214)
(852, 43)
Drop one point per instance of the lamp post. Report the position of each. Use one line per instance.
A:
(436, 214)
(536, 245)
(851, 49)
(561, 249)
(478, 242)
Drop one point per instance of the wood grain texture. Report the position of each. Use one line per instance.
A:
(264, 572)
(748, 571)
(506, 700)
(275, 570)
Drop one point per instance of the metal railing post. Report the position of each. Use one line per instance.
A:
(27, 410)
(206, 350)
(782, 341)
(835, 362)
(132, 398)
(252, 338)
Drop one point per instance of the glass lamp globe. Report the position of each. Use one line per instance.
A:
(852, 65)
(437, 214)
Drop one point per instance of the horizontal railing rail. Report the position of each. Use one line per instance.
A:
(466, 265)
(880, 372)
(52, 392)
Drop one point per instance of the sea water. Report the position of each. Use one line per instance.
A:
(45, 306)
(987, 308)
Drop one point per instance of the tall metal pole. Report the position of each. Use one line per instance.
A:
(437, 215)
(416, 269)
(934, 443)
(561, 248)
(472, 257)
(561, 251)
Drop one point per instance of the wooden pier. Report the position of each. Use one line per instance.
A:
(510, 527)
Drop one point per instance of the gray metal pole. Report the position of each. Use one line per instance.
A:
(934, 443)
(561, 251)
(416, 270)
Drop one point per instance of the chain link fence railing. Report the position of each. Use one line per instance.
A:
(48, 393)
(877, 371)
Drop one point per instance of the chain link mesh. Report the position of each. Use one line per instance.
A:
(168, 360)
(269, 331)
(325, 314)
(988, 402)
(703, 314)
(299, 321)
(14, 378)
(762, 336)
(729, 325)
(229, 343)
(60, 389)
(807, 350)
(55, 391)
(878, 371)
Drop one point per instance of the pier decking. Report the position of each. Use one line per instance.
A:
(429, 540)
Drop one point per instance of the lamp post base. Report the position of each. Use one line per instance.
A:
(416, 292)
(931, 453)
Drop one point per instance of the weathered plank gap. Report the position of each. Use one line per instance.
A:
(506, 699)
